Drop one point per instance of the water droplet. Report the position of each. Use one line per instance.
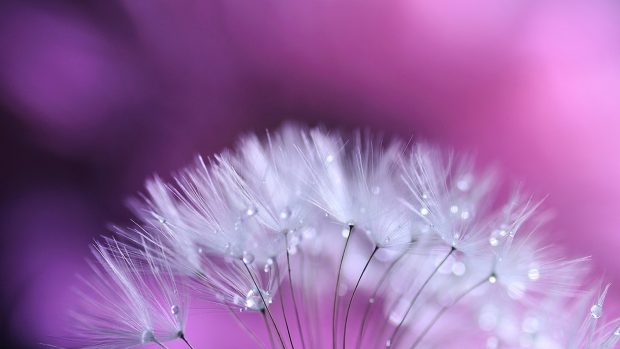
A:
(388, 343)
(464, 214)
(162, 220)
(617, 332)
(251, 211)
(285, 214)
(424, 211)
(376, 190)
(175, 309)
(268, 265)
(464, 183)
(345, 232)
(248, 258)
(458, 268)
(493, 241)
(329, 158)
(254, 301)
(371, 300)
(533, 274)
(596, 311)
(493, 279)
(454, 209)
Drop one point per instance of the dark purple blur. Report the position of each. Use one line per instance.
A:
(95, 96)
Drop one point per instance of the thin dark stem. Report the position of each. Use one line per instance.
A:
(246, 328)
(160, 344)
(182, 337)
(288, 330)
(334, 314)
(346, 316)
(260, 292)
(264, 316)
(446, 308)
(373, 297)
(290, 283)
(415, 297)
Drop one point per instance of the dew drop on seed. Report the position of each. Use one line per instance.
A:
(248, 258)
(458, 268)
(492, 279)
(533, 274)
(596, 311)
(254, 301)
(285, 214)
(345, 232)
(175, 309)
(268, 265)
(464, 183)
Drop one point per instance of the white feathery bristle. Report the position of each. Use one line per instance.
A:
(130, 300)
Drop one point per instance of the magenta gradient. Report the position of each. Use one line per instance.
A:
(97, 96)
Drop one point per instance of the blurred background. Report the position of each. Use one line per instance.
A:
(96, 96)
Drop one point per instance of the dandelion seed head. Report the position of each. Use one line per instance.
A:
(295, 222)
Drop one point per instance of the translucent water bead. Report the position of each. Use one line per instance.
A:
(596, 311)
(248, 258)
(254, 301)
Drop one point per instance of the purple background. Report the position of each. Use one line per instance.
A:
(95, 96)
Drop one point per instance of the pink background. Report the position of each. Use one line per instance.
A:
(97, 96)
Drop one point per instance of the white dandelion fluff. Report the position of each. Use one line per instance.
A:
(341, 242)
(130, 300)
